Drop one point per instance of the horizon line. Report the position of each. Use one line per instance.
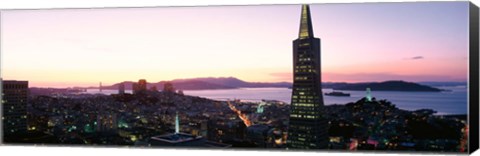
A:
(151, 82)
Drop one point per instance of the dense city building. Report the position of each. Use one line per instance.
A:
(180, 139)
(107, 122)
(258, 134)
(307, 128)
(150, 118)
(184, 140)
(14, 102)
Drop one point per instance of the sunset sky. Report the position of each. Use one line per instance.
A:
(425, 41)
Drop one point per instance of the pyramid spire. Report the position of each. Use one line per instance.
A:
(306, 29)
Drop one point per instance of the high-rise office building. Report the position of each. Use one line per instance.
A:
(140, 87)
(307, 127)
(107, 121)
(142, 84)
(121, 88)
(14, 102)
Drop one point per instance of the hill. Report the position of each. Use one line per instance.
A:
(385, 86)
(206, 83)
(233, 83)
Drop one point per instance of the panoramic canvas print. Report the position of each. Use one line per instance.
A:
(323, 77)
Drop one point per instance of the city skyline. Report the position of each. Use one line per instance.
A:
(110, 46)
(81, 47)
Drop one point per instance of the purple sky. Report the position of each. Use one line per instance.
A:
(424, 41)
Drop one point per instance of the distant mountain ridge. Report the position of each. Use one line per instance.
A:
(444, 84)
(206, 83)
(233, 83)
(384, 86)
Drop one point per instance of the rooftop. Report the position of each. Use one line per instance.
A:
(176, 137)
(183, 139)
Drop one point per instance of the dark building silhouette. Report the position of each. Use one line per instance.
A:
(307, 126)
(14, 102)
(224, 130)
(107, 122)
(142, 84)
(153, 88)
(180, 92)
(135, 87)
(258, 134)
(140, 87)
(121, 88)
(168, 87)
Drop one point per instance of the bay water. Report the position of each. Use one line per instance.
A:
(453, 101)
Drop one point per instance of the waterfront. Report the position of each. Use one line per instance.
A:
(449, 102)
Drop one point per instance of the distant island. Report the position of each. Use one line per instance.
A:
(383, 86)
(210, 83)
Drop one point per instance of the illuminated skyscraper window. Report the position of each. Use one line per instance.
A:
(14, 101)
(307, 126)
